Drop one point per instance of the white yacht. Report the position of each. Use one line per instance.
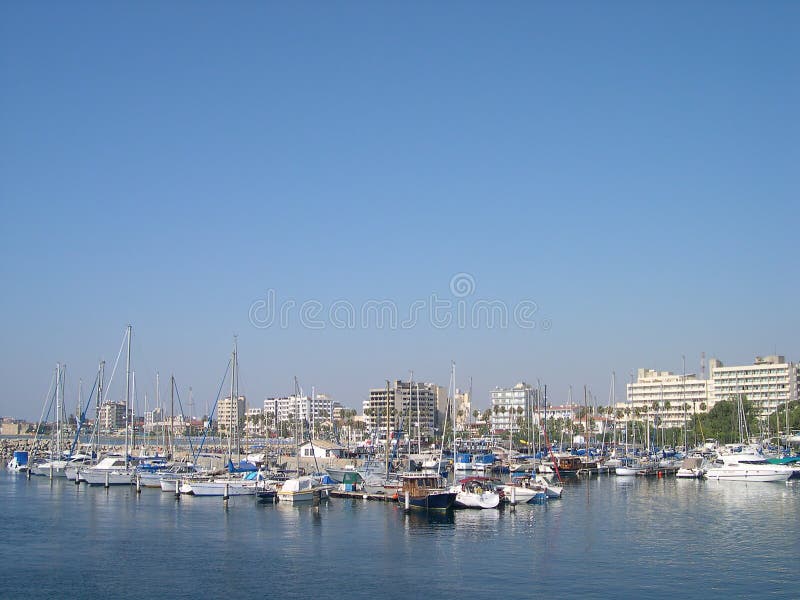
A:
(747, 465)
(112, 470)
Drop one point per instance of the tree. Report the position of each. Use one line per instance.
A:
(722, 421)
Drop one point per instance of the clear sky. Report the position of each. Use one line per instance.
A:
(629, 168)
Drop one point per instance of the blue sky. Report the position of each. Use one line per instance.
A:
(631, 168)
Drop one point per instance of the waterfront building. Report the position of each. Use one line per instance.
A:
(230, 414)
(254, 422)
(667, 398)
(298, 408)
(509, 405)
(417, 408)
(768, 383)
(113, 416)
(565, 412)
(153, 420)
(463, 404)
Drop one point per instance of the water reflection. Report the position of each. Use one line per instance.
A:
(428, 521)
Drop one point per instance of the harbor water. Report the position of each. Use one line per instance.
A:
(607, 537)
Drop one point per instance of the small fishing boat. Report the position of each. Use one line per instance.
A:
(302, 489)
(425, 491)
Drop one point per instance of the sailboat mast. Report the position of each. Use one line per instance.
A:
(127, 392)
(419, 420)
(172, 417)
(230, 406)
(387, 428)
(453, 385)
(59, 386)
(160, 413)
(133, 410)
(683, 401)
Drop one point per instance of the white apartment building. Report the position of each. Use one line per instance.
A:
(230, 414)
(153, 420)
(254, 422)
(666, 397)
(556, 411)
(309, 410)
(416, 407)
(769, 382)
(511, 404)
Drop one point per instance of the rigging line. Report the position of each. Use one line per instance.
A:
(116, 362)
(82, 416)
(49, 397)
(213, 410)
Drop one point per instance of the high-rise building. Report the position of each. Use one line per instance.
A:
(308, 410)
(230, 414)
(112, 416)
(768, 383)
(463, 409)
(416, 408)
(666, 398)
(669, 398)
(509, 405)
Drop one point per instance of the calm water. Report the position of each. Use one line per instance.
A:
(612, 537)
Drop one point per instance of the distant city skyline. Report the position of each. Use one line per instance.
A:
(533, 191)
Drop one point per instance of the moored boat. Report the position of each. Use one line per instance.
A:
(476, 492)
(746, 465)
(425, 491)
(18, 462)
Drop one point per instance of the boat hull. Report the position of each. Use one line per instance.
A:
(756, 475)
(431, 501)
(218, 488)
(107, 477)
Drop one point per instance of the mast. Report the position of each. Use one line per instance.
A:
(453, 385)
(127, 392)
(387, 429)
(98, 403)
(172, 417)
(59, 386)
(230, 407)
(133, 410)
(161, 413)
(683, 401)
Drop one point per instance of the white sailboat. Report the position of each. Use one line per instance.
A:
(115, 470)
(54, 467)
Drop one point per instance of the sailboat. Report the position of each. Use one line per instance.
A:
(57, 463)
(303, 488)
(116, 470)
(232, 484)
